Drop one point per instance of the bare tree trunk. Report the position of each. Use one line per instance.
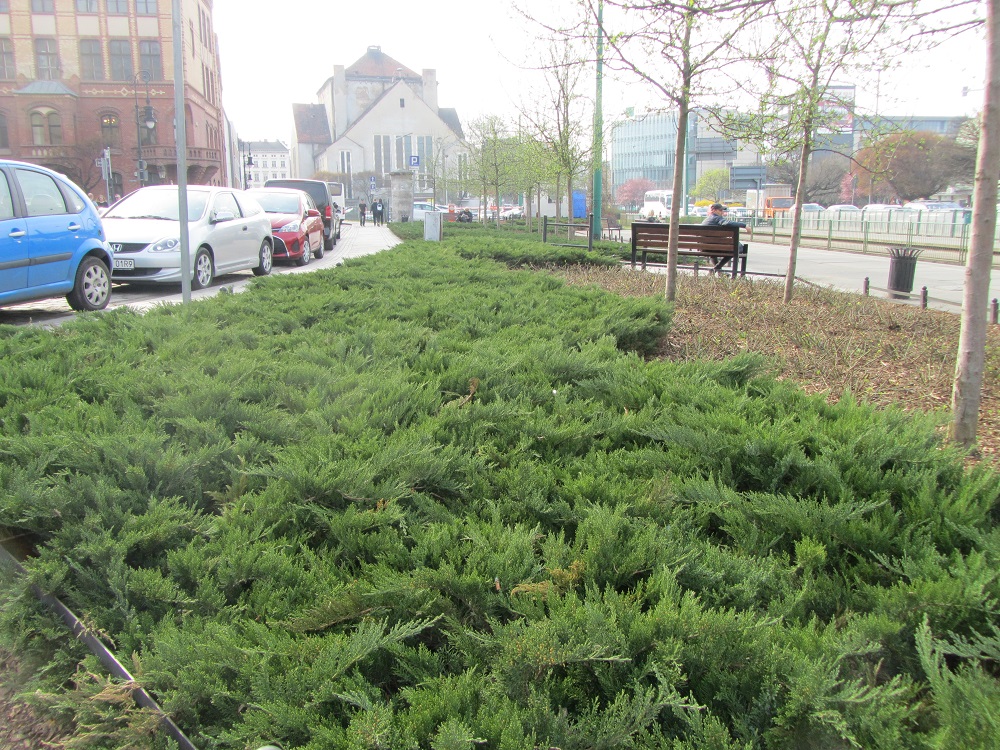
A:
(967, 391)
(670, 292)
(558, 198)
(569, 200)
(800, 190)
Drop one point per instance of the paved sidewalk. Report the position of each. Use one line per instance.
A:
(356, 240)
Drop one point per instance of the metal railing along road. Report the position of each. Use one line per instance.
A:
(942, 235)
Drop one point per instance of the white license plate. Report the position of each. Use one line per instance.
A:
(124, 263)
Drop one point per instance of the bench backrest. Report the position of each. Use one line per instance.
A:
(702, 238)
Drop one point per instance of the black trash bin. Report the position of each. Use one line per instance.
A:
(902, 267)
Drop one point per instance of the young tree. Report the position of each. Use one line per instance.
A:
(813, 46)
(492, 159)
(712, 184)
(913, 165)
(561, 118)
(967, 392)
(632, 192)
(679, 50)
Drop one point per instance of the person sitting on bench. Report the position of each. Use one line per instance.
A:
(717, 217)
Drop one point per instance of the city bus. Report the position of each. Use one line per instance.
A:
(657, 203)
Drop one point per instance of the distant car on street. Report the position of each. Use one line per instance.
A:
(512, 212)
(295, 223)
(52, 241)
(807, 207)
(421, 208)
(227, 231)
(843, 208)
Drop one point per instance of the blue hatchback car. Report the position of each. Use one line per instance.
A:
(51, 240)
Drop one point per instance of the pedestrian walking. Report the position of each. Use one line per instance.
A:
(379, 212)
(362, 210)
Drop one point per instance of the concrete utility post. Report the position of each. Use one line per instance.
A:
(401, 194)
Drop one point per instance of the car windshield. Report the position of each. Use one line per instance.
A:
(278, 203)
(158, 204)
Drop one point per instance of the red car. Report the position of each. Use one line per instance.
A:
(295, 223)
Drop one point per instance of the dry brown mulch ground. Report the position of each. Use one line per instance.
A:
(827, 342)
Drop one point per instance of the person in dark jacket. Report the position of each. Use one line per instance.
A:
(362, 210)
(717, 217)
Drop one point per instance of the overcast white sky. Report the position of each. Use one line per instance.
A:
(271, 59)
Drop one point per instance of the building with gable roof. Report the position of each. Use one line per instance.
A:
(375, 117)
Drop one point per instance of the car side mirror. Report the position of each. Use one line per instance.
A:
(312, 212)
(221, 216)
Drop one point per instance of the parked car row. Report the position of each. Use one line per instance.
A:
(54, 241)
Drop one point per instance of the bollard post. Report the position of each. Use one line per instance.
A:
(995, 311)
(545, 229)
(923, 297)
(696, 269)
(864, 287)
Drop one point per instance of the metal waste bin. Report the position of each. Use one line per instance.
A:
(902, 268)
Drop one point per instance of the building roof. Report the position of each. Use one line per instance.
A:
(267, 146)
(376, 64)
(46, 88)
(449, 115)
(311, 124)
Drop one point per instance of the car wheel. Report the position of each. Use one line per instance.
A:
(339, 227)
(266, 260)
(204, 269)
(92, 289)
(306, 254)
(319, 251)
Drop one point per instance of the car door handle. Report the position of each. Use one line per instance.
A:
(16, 233)
(73, 227)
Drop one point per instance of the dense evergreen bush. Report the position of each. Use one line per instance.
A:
(425, 500)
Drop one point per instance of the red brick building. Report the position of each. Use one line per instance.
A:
(77, 76)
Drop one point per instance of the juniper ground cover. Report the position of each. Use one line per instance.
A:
(430, 500)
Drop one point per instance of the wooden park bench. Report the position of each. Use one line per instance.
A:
(719, 244)
(611, 227)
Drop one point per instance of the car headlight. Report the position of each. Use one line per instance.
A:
(166, 245)
(291, 227)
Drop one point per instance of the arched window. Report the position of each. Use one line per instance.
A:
(46, 128)
(110, 130)
(38, 129)
(54, 122)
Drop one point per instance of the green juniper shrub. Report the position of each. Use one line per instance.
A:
(435, 499)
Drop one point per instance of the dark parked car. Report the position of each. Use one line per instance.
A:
(52, 240)
(319, 191)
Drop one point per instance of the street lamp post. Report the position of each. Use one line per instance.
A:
(246, 161)
(144, 118)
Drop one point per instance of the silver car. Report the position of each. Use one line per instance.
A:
(227, 229)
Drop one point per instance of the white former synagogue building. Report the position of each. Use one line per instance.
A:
(377, 117)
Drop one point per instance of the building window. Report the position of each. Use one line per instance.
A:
(4, 138)
(6, 58)
(86, 6)
(43, 6)
(46, 128)
(91, 60)
(150, 59)
(118, 7)
(4, 6)
(110, 132)
(120, 54)
(46, 60)
(145, 7)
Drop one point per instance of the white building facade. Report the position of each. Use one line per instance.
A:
(376, 117)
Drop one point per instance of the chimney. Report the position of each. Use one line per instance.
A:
(430, 88)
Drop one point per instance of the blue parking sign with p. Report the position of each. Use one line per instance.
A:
(414, 161)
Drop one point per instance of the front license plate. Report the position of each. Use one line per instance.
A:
(124, 263)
